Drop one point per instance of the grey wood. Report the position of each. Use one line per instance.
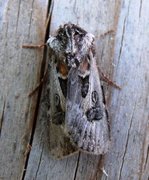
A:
(94, 20)
(128, 158)
(123, 57)
(19, 74)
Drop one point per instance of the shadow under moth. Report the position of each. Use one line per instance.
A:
(78, 117)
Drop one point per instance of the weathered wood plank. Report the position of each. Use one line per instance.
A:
(126, 56)
(128, 157)
(20, 22)
(97, 18)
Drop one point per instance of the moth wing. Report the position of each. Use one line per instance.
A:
(59, 143)
(89, 135)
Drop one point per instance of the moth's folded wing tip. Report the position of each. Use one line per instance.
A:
(91, 137)
(59, 143)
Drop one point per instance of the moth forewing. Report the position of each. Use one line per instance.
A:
(102, 126)
(91, 135)
(59, 143)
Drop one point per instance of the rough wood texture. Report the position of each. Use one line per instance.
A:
(19, 74)
(125, 56)
(128, 158)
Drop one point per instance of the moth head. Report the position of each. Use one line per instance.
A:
(71, 43)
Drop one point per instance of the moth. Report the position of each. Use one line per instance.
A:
(78, 117)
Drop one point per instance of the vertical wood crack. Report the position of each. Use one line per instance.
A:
(18, 16)
(123, 34)
(43, 65)
(31, 18)
(147, 157)
(126, 146)
(140, 8)
(76, 170)
(39, 162)
(2, 117)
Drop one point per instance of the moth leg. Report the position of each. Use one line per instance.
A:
(103, 76)
(39, 84)
(32, 46)
(106, 79)
(46, 27)
(107, 33)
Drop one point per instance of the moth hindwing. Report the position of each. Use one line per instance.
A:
(78, 117)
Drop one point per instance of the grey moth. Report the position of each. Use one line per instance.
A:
(78, 117)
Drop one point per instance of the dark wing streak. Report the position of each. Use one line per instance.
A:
(55, 88)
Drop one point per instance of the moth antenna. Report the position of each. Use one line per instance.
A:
(39, 84)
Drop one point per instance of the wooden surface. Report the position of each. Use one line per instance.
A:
(123, 57)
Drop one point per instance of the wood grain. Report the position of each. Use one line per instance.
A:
(128, 158)
(19, 74)
(123, 56)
